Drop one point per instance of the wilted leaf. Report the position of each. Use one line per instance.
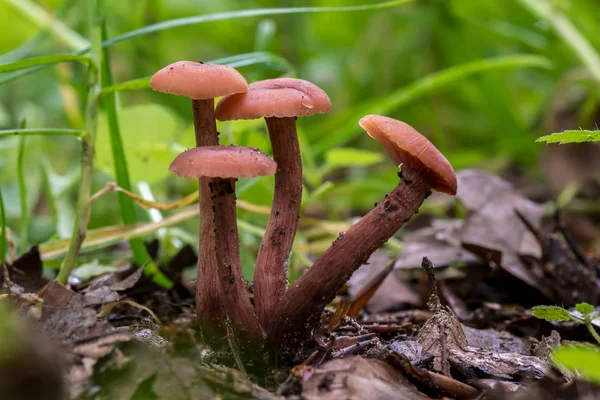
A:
(583, 359)
(493, 226)
(358, 378)
(440, 242)
(551, 313)
(391, 293)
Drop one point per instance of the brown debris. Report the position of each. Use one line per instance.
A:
(359, 378)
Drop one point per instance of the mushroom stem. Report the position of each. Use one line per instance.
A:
(270, 276)
(235, 294)
(300, 308)
(208, 287)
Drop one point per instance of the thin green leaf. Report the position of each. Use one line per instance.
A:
(273, 61)
(551, 313)
(582, 359)
(45, 20)
(3, 245)
(578, 43)
(11, 76)
(571, 136)
(128, 215)
(585, 308)
(345, 126)
(43, 131)
(24, 222)
(45, 60)
(229, 15)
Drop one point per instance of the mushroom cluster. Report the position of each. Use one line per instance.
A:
(283, 317)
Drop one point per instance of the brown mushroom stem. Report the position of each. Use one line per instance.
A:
(270, 276)
(300, 308)
(208, 287)
(235, 297)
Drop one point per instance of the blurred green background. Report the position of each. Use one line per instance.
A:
(465, 73)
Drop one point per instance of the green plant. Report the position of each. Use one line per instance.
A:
(571, 136)
(580, 359)
(93, 54)
(559, 314)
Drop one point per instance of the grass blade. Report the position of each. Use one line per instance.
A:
(23, 223)
(3, 245)
(229, 15)
(161, 26)
(43, 132)
(128, 215)
(578, 43)
(345, 126)
(274, 61)
(44, 20)
(94, 84)
(44, 60)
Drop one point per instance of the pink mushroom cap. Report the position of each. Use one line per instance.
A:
(280, 98)
(412, 151)
(198, 81)
(223, 162)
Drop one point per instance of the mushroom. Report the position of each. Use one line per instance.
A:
(202, 83)
(423, 168)
(224, 164)
(279, 101)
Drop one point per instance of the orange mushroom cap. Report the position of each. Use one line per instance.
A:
(198, 81)
(411, 150)
(223, 162)
(280, 98)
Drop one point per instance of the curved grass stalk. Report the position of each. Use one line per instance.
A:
(44, 132)
(241, 60)
(44, 60)
(344, 125)
(83, 207)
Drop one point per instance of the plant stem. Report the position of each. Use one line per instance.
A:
(3, 245)
(590, 328)
(23, 195)
(209, 308)
(235, 294)
(126, 206)
(300, 308)
(83, 207)
(270, 276)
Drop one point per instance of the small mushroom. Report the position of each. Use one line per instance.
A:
(423, 168)
(224, 164)
(202, 83)
(279, 101)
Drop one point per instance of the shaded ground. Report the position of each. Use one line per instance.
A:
(400, 330)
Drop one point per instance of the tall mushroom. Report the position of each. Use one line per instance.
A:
(423, 168)
(224, 165)
(202, 83)
(279, 101)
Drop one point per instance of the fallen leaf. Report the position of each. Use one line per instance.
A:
(359, 378)
(391, 293)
